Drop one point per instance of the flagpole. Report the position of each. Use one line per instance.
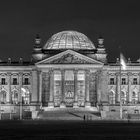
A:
(122, 67)
(120, 92)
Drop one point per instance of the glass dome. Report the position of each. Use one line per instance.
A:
(69, 40)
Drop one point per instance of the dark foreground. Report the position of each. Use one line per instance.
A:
(69, 130)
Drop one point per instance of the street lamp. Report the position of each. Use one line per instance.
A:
(22, 94)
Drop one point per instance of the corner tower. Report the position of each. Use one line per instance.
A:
(37, 51)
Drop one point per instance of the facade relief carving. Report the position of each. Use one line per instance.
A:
(70, 59)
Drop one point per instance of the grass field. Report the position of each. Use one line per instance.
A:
(44, 130)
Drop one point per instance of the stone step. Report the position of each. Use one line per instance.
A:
(59, 115)
(60, 118)
(71, 108)
(69, 114)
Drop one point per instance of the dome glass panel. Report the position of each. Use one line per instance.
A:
(69, 40)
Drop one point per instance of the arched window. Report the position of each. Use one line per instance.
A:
(122, 94)
(15, 97)
(134, 101)
(133, 94)
(112, 97)
(25, 96)
(134, 97)
(123, 97)
(3, 96)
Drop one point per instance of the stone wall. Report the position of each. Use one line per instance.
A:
(103, 86)
(92, 89)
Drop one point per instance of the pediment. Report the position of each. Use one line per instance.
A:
(69, 57)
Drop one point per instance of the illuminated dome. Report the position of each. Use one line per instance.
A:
(69, 40)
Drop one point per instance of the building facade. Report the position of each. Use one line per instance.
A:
(69, 72)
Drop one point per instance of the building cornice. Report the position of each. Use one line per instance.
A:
(69, 66)
(4, 68)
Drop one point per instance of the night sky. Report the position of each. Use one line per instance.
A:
(117, 21)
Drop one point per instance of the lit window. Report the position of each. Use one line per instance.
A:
(80, 76)
(112, 97)
(57, 76)
(134, 98)
(26, 97)
(123, 81)
(3, 81)
(135, 82)
(69, 75)
(3, 97)
(123, 97)
(15, 97)
(112, 81)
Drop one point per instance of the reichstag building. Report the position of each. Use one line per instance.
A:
(69, 71)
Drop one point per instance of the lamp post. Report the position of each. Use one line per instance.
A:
(22, 94)
(122, 67)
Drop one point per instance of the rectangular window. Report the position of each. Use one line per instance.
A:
(135, 81)
(80, 76)
(3, 81)
(69, 75)
(26, 81)
(123, 81)
(57, 76)
(112, 82)
(14, 81)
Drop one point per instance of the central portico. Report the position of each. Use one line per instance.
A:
(69, 88)
(69, 69)
(69, 83)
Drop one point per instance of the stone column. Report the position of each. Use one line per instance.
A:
(129, 86)
(40, 88)
(20, 94)
(35, 87)
(87, 98)
(75, 105)
(51, 98)
(62, 105)
(139, 89)
(99, 83)
(20, 86)
(9, 88)
(118, 87)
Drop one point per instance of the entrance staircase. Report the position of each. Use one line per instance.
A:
(69, 114)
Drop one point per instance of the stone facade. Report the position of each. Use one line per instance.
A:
(69, 76)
